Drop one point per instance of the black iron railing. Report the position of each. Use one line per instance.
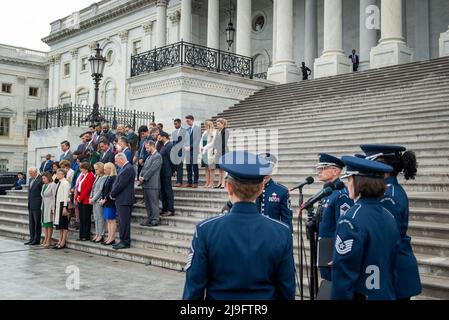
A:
(197, 56)
(262, 75)
(76, 115)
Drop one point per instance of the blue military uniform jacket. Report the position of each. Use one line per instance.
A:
(366, 246)
(239, 256)
(276, 203)
(408, 283)
(331, 208)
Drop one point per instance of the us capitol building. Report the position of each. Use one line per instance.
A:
(203, 56)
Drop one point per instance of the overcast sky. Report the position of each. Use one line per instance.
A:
(24, 23)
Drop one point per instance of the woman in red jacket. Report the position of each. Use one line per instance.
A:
(82, 193)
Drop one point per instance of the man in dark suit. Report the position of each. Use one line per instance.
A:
(142, 153)
(108, 133)
(179, 140)
(150, 178)
(168, 168)
(106, 153)
(355, 60)
(123, 194)
(34, 207)
(66, 153)
(46, 165)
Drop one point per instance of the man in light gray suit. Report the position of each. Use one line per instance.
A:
(66, 153)
(150, 179)
(192, 149)
(179, 140)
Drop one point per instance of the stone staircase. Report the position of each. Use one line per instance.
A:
(407, 104)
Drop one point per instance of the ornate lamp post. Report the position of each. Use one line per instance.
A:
(97, 64)
(230, 30)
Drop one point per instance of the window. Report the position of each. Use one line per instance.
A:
(66, 69)
(4, 127)
(31, 126)
(6, 87)
(84, 64)
(4, 165)
(34, 92)
(137, 47)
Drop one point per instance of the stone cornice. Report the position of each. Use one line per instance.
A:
(21, 61)
(97, 20)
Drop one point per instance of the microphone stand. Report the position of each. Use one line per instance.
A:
(301, 245)
(312, 232)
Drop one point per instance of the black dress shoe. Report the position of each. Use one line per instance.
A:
(153, 224)
(35, 243)
(167, 214)
(119, 246)
(108, 244)
(145, 224)
(28, 243)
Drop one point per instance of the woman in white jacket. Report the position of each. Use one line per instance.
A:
(207, 152)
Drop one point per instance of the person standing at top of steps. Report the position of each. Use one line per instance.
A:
(355, 60)
(367, 239)
(306, 72)
(242, 255)
(192, 150)
(333, 206)
(408, 283)
(275, 198)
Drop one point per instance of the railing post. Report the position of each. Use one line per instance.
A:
(134, 120)
(219, 60)
(182, 52)
(252, 68)
(71, 116)
(46, 119)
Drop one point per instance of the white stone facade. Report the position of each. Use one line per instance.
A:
(24, 88)
(278, 34)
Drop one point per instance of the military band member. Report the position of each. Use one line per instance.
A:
(243, 254)
(275, 198)
(408, 282)
(332, 207)
(367, 239)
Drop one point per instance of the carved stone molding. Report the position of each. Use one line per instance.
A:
(123, 35)
(148, 27)
(162, 3)
(74, 53)
(175, 17)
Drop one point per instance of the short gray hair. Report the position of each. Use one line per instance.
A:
(32, 169)
(121, 155)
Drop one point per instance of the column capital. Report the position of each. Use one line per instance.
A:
(74, 52)
(56, 58)
(160, 3)
(123, 35)
(148, 27)
(175, 17)
(92, 45)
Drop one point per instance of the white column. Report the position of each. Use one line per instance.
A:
(161, 23)
(368, 32)
(213, 24)
(422, 30)
(74, 74)
(57, 80)
(444, 44)
(121, 94)
(274, 30)
(186, 20)
(51, 80)
(333, 61)
(148, 40)
(243, 28)
(310, 42)
(392, 48)
(174, 32)
(284, 69)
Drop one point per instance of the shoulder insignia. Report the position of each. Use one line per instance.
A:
(343, 247)
(344, 208)
(189, 259)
